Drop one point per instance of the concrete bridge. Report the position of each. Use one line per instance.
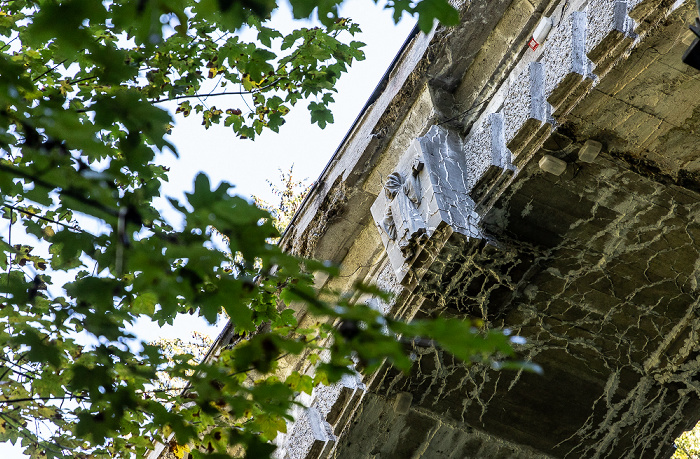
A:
(551, 191)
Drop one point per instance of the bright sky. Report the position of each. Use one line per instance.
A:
(248, 164)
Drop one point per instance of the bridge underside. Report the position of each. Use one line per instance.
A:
(598, 270)
(597, 267)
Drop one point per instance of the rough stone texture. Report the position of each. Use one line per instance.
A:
(598, 268)
(309, 437)
(383, 433)
(473, 278)
(359, 152)
(493, 60)
(602, 22)
(647, 12)
(524, 107)
(486, 152)
(386, 280)
(600, 305)
(564, 57)
(647, 110)
(330, 209)
(478, 52)
(444, 183)
(452, 174)
(617, 339)
(312, 433)
(606, 27)
(489, 28)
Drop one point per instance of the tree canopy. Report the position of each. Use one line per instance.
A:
(80, 125)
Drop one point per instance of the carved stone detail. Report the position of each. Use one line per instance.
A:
(402, 222)
(427, 197)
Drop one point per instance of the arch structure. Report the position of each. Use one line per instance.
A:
(552, 191)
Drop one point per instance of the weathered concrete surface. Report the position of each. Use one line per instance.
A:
(384, 433)
(647, 110)
(567, 276)
(617, 338)
(598, 267)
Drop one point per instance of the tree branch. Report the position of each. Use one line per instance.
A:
(10, 369)
(66, 192)
(224, 93)
(80, 80)
(19, 365)
(32, 214)
(194, 96)
(24, 433)
(9, 43)
(48, 71)
(43, 399)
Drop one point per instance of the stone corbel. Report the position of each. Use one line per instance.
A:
(426, 200)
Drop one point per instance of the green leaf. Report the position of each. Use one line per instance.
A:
(145, 303)
(320, 114)
(300, 383)
(431, 10)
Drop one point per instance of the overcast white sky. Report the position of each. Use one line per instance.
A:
(248, 164)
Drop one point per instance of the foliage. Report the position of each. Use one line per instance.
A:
(291, 194)
(80, 125)
(174, 348)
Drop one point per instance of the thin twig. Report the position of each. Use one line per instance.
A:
(49, 70)
(10, 369)
(224, 93)
(9, 241)
(65, 192)
(32, 214)
(9, 43)
(43, 444)
(214, 88)
(197, 96)
(82, 79)
(36, 373)
(36, 399)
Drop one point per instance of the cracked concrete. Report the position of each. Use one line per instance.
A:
(598, 268)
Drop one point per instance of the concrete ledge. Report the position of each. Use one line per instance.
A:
(564, 58)
(313, 432)
(525, 107)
